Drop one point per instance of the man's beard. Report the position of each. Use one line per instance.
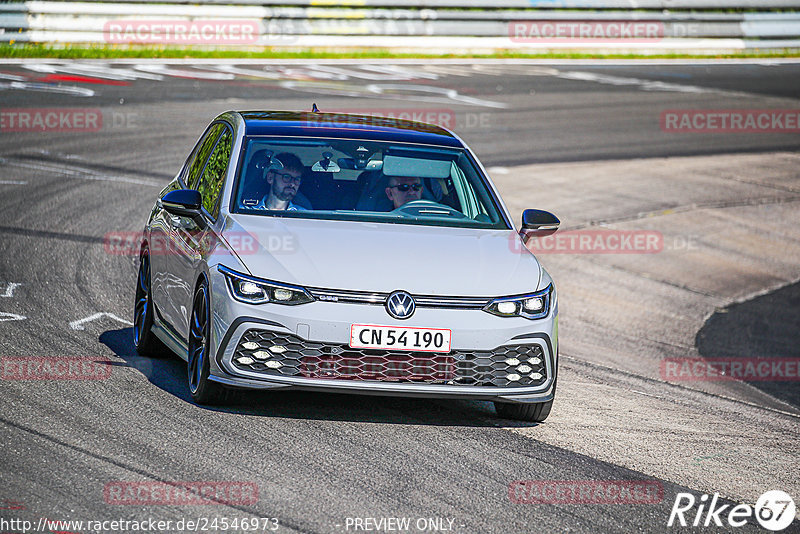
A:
(286, 193)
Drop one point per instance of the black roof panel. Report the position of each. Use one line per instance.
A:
(342, 125)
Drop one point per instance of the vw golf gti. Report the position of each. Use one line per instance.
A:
(351, 254)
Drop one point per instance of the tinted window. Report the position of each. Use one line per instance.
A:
(366, 180)
(214, 173)
(201, 154)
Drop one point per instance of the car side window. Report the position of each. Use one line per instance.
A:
(201, 155)
(210, 184)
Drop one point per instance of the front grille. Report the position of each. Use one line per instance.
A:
(422, 301)
(277, 354)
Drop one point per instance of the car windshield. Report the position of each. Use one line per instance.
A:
(375, 181)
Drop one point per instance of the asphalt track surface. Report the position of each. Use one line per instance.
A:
(581, 139)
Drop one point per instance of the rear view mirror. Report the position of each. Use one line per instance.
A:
(360, 164)
(348, 163)
(326, 164)
(539, 223)
(264, 160)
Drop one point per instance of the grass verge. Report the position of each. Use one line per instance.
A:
(29, 50)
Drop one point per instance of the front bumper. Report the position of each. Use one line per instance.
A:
(317, 332)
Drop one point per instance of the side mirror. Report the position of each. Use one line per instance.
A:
(538, 223)
(183, 203)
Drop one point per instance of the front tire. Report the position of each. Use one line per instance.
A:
(203, 390)
(145, 341)
(533, 412)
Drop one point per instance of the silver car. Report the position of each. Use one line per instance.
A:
(350, 254)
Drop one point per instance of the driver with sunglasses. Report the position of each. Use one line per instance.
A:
(403, 189)
(284, 184)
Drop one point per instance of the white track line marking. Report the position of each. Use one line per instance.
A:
(181, 73)
(47, 88)
(5, 316)
(93, 69)
(10, 287)
(78, 325)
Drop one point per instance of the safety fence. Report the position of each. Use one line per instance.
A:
(431, 24)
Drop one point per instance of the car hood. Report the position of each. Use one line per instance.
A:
(365, 256)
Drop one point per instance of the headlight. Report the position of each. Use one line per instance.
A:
(251, 290)
(532, 306)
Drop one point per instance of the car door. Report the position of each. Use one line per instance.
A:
(171, 284)
(192, 240)
(160, 239)
(159, 245)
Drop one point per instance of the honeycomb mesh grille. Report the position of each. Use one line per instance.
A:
(278, 354)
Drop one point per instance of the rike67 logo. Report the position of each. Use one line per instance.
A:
(774, 510)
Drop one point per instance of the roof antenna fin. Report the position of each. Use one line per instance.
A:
(314, 108)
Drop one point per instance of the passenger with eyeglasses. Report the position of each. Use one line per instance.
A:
(284, 184)
(403, 189)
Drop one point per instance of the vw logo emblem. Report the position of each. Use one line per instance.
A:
(400, 305)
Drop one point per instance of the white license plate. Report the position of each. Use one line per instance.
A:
(370, 336)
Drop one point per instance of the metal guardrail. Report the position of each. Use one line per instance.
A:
(504, 4)
(117, 8)
(490, 23)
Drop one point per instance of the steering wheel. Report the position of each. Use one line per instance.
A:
(416, 208)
